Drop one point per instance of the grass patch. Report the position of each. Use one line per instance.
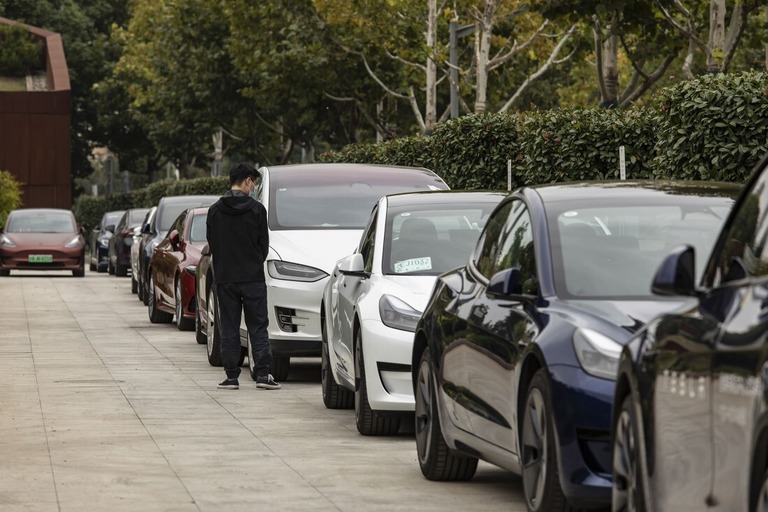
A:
(8, 84)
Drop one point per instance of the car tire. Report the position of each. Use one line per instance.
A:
(5, 273)
(134, 286)
(121, 270)
(761, 499)
(541, 479)
(213, 341)
(155, 315)
(92, 267)
(368, 422)
(79, 272)
(281, 367)
(144, 283)
(628, 487)
(436, 460)
(334, 395)
(182, 324)
(200, 336)
(110, 269)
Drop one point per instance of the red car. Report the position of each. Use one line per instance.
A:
(41, 239)
(172, 270)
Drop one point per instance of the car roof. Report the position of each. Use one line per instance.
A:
(198, 211)
(42, 210)
(444, 196)
(684, 191)
(183, 199)
(341, 167)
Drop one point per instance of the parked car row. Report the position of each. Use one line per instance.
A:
(604, 340)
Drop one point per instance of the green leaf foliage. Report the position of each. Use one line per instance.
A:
(10, 195)
(19, 52)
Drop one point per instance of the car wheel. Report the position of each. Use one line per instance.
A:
(110, 269)
(280, 368)
(627, 483)
(212, 331)
(761, 501)
(134, 286)
(121, 270)
(79, 272)
(155, 315)
(334, 396)
(144, 283)
(139, 287)
(200, 336)
(541, 481)
(183, 324)
(5, 273)
(436, 460)
(92, 267)
(368, 422)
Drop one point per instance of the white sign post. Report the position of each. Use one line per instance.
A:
(622, 164)
(509, 174)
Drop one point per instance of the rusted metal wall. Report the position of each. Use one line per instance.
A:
(35, 132)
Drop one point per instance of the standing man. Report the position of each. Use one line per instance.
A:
(238, 240)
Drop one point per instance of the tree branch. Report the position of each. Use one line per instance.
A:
(653, 78)
(498, 61)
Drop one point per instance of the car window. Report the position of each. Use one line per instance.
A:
(169, 211)
(178, 224)
(516, 248)
(35, 221)
(744, 252)
(197, 232)
(111, 219)
(488, 247)
(368, 241)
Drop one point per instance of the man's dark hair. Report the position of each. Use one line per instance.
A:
(242, 172)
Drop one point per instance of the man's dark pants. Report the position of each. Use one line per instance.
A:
(251, 299)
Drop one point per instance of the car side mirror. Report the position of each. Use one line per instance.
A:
(81, 230)
(206, 250)
(353, 265)
(110, 228)
(145, 229)
(677, 272)
(506, 283)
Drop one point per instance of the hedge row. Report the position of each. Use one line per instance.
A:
(10, 195)
(712, 128)
(89, 209)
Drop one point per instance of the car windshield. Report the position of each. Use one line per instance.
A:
(433, 239)
(616, 250)
(136, 216)
(112, 218)
(170, 211)
(40, 222)
(197, 231)
(315, 200)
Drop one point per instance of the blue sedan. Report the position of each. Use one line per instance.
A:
(515, 355)
(691, 402)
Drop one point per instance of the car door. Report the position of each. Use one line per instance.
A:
(740, 355)
(166, 257)
(347, 291)
(497, 328)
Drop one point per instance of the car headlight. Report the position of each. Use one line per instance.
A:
(598, 354)
(294, 272)
(397, 314)
(104, 242)
(6, 242)
(75, 242)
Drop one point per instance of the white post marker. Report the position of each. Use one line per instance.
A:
(622, 164)
(509, 174)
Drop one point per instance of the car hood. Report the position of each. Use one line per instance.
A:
(318, 248)
(40, 239)
(414, 290)
(630, 315)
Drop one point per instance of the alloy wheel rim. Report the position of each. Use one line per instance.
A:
(423, 411)
(625, 473)
(178, 302)
(534, 449)
(211, 323)
(358, 377)
(151, 295)
(324, 358)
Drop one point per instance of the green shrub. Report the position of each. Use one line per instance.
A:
(19, 52)
(10, 195)
(712, 128)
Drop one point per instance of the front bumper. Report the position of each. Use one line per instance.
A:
(61, 259)
(387, 354)
(582, 410)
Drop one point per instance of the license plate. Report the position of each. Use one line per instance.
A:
(40, 258)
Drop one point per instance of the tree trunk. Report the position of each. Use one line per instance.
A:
(611, 69)
(716, 42)
(483, 35)
(430, 114)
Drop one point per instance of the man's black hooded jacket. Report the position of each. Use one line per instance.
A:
(238, 238)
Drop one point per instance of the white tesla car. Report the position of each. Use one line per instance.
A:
(316, 213)
(376, 295)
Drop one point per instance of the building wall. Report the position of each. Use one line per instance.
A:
(35, 132)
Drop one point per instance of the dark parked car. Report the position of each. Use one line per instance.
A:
(168, 209)
(137, 234)
(516, 353)
(41, 239)
(121, 241)
(172, 270)
(691, 405)
(100, 240)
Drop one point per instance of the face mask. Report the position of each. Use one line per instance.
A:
(253, 193)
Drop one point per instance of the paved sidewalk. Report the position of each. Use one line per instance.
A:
(100, 410)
